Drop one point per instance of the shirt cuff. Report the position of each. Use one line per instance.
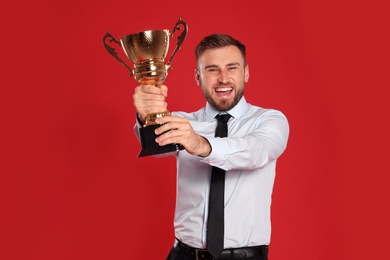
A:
(218, 153)
(139, 121)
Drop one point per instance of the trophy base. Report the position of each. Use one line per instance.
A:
(149, 145)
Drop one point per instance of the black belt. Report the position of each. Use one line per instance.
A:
(232, 253)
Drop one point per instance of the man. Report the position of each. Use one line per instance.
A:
(256, 138)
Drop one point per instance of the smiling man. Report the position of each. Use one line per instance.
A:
(225, 177)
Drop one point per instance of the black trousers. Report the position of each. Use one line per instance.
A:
(174, 254)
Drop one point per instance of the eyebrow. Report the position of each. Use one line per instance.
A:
(233, 63)
(227, 65)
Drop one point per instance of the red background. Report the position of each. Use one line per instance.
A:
(72, 186)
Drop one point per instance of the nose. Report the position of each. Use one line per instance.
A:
(223, 77)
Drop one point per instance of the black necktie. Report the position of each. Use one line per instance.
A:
(215, 224)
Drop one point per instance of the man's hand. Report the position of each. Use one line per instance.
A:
(150, 99)
(178, 130)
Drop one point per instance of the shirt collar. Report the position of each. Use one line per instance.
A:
(237, 111)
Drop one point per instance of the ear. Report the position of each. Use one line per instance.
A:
(246, 73)
(197, 77)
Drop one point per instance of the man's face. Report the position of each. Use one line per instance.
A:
(222, 76)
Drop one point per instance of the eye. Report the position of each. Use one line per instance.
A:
(212, 70)
(232, 67)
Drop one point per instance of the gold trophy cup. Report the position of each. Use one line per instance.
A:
(147, 51)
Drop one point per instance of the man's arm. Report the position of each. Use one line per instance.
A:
(254, 150)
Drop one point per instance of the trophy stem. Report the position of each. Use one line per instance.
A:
(150, 119)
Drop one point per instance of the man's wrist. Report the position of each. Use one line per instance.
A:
(205, 147)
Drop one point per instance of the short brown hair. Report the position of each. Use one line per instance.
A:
(218, 40)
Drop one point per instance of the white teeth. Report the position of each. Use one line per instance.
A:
(223, 89)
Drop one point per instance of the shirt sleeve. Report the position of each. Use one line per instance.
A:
(137, 126)
(264, 143)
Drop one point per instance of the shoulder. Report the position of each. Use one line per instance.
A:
(261, 112)
(196, 115)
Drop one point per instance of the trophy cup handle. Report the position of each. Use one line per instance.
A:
(113, 52)
(180, 39)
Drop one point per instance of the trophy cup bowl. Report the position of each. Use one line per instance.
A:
(147, 51)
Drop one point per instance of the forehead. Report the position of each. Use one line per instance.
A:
(221, 57)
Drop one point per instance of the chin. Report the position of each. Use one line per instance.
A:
(224, 106)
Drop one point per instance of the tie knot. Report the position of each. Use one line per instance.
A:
(223, 118)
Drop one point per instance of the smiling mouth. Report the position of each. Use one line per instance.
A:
(223, 89)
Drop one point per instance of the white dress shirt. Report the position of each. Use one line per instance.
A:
(256, 138)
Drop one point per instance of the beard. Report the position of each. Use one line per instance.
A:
(224, 105)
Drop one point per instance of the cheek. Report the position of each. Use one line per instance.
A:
(207, 81)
